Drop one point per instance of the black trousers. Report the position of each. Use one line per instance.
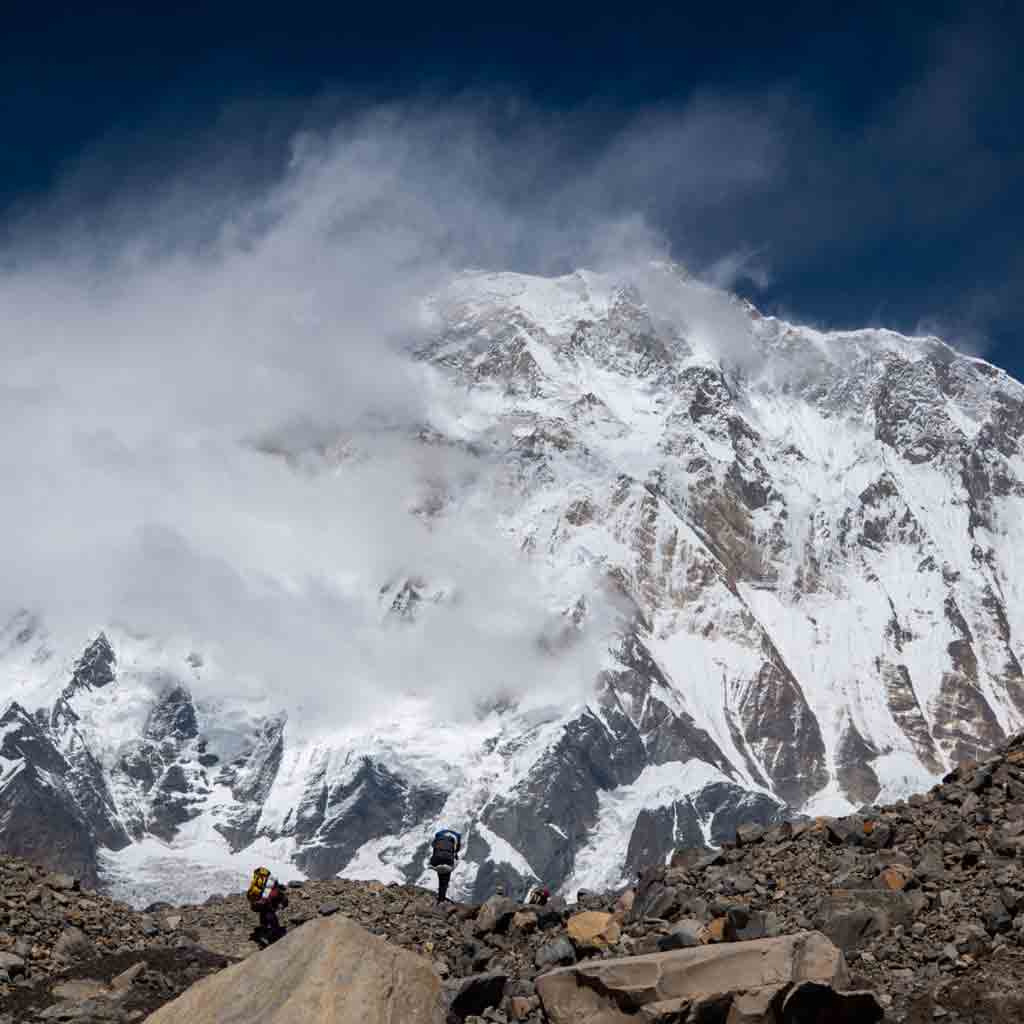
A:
(443, 878)
(269, 920)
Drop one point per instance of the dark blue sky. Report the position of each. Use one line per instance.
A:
(888, 141)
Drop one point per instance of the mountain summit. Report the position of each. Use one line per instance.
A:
(808, 540)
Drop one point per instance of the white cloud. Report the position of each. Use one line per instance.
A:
(149, 383)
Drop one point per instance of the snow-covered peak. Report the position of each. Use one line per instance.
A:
(805, 545)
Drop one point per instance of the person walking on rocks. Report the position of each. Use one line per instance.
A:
(443, 857)
(267, 904)
(538, 896)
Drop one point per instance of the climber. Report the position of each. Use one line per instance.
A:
(267, 904)
(443, 857)
(538, 896)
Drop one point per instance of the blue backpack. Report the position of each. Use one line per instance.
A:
(445, 849)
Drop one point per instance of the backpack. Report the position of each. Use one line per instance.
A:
(258, 884)
(443, 854)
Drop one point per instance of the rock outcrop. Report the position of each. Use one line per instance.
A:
(329, 971)
(765, 979)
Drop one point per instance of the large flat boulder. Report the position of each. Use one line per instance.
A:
(328, 971)
(666, 985)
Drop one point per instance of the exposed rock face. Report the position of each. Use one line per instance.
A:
(173, 717)
(251, 776)
(95, 669)
(39, 816)
(333, 821)
(330, 971)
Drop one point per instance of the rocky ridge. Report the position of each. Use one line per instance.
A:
(925, 898)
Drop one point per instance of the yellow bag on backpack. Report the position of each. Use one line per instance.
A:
(258, 884)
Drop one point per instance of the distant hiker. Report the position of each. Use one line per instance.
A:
(266, 904)
(443, 857)
(538, 896)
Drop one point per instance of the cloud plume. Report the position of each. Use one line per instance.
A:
(207, 400)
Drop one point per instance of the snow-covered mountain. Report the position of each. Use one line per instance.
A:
(811, 540)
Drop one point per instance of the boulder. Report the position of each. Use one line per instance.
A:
(662, 902)
(738, 884)
(756, 1006)
(688, 857)
(618, 991)
(524, 921)
(685, 934)
(896, 877)
(73, 944)
(747, 835)
(850, 929)
(495, 915)
(329, 971)
(559, 951)
(851, 918)
(520, 1007)
(124, 981)
(930, 867)
(61, 882)
(760, 924)
(548, 917)
(846, 831)
(624, 904)
(12, 964)
(813, 1001)
(471, 996)
(593, 929)
(878, 835)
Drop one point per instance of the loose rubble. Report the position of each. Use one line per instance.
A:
(925, 899)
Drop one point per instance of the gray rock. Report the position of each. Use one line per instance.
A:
(558, 951)
(328, 909)
(748, 834)
(760, 925)
(475, 994)
(684, 934)
(73, 944)
(13, 965)
(495, 915)
(738, 884)
(61, 882)
(971, 939)
(880, 837)
(850, 929)
(997, 919)
(847, 831)
(930, 867)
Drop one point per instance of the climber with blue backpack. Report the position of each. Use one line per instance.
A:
(443, 858)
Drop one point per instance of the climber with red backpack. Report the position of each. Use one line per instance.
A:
(266, 904)
(538, 896)
(443, 857)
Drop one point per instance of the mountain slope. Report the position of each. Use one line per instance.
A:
(809, 541)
